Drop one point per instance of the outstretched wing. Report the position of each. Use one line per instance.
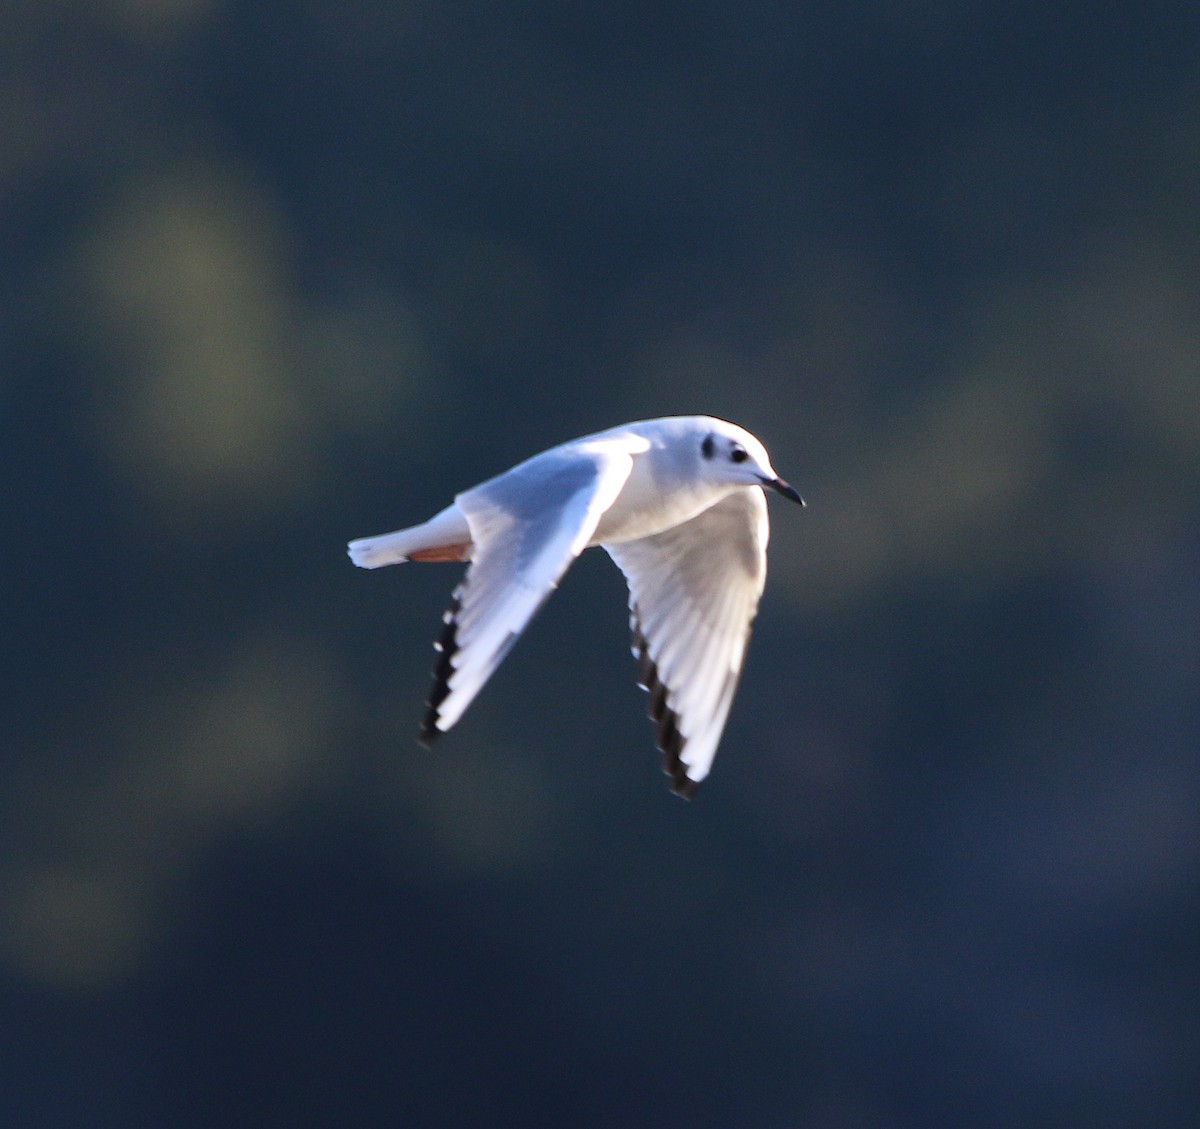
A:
(527, 526)
(693, 592)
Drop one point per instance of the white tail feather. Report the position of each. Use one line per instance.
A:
(443, 529)
(375, 552)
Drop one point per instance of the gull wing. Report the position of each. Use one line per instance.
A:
(693, 592)
(527, 526)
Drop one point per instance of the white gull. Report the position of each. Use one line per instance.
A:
(676, 502)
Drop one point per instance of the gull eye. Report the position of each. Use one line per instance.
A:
(738, 455)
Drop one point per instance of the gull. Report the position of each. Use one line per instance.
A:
(679, 505)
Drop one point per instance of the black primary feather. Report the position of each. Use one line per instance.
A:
(446, 648)
(670, 740)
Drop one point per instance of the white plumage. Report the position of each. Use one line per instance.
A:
(676, 502)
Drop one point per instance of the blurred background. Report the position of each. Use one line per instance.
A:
(278, 274)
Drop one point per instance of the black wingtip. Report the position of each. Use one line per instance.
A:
(446, 647)
(684, 787)
(668, 738)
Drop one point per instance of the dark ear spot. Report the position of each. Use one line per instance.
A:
(708, 446)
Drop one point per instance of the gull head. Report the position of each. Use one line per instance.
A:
(730, 454)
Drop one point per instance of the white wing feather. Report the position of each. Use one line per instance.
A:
(527, 526)
(693, 593)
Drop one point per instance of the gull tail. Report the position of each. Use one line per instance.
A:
(444, 537)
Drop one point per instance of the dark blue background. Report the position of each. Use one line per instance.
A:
(275, 275)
